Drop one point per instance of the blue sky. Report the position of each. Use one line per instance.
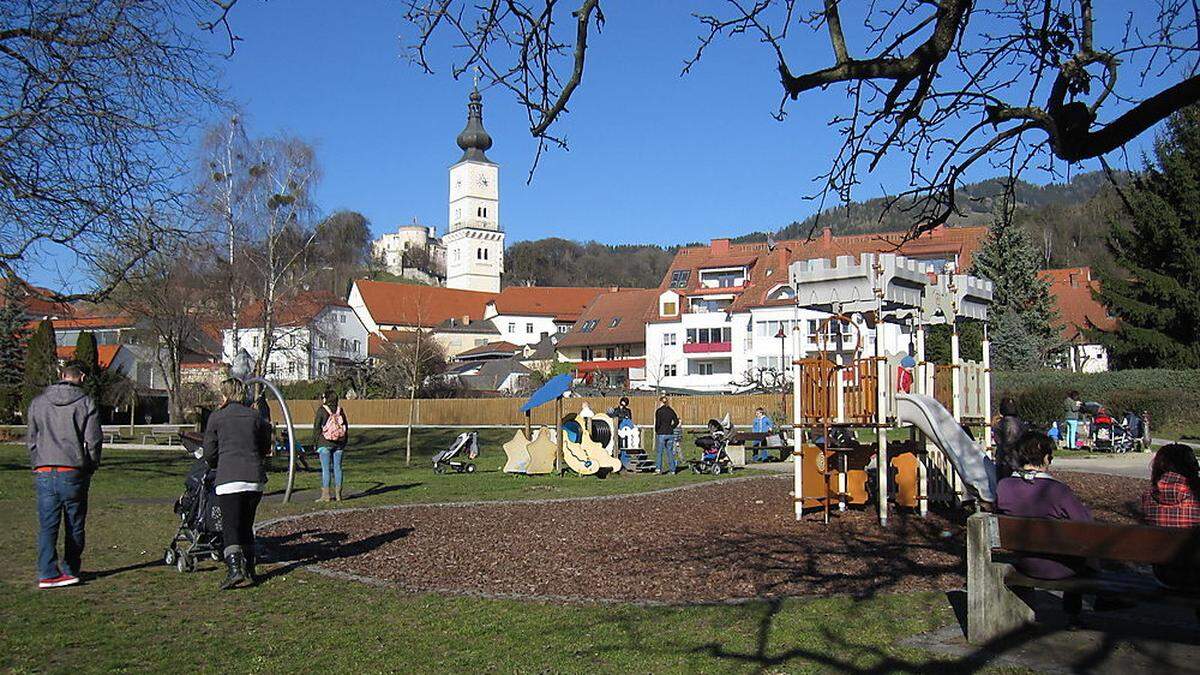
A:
(654, 157)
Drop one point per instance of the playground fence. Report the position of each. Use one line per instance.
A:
(692, 410)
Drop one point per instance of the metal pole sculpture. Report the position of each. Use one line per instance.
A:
(243, 369)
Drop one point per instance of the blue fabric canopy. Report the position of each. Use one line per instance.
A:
(554, 387)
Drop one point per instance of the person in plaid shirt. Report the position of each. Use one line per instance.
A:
(1172, 501)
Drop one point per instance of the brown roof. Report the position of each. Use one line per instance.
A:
(34, 300)
(415, 305)
(768, 268)
(377, 341)
(633, 306)
(89, 323)
(561, 302)
(297, 311)
(1073, 290)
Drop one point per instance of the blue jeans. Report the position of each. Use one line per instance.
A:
(337, 465)
(664, 445)
(763, 453)
(61, 494)
(1072, 430)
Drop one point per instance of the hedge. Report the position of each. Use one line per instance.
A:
(1171, 396)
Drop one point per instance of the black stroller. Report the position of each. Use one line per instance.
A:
(444, 461)
(713, 457)
(199, 514)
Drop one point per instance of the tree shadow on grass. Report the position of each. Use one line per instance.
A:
(313, 546)
(382, 489)
(100, 574)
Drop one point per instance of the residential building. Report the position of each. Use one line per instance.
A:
(456, 335)
(607, 343)
(315, 334)
(1079, 312)
(382, 305)
(525, 315)
(489, 352)
(725, 317)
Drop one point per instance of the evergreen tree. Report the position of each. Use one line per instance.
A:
(41, 362)
(12, 351)
(1157, 297)
(1022, 331)
(87, 354)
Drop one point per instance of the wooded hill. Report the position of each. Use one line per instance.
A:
(1070, 221)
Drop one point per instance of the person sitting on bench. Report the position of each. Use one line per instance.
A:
(1031, 492)
(1172, 501)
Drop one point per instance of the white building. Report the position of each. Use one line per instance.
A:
(525, 314)
(720, 310)
(315, 335)
(397, 250)
(475, 242)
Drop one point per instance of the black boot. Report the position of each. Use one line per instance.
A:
(251, 576)
(235, 562)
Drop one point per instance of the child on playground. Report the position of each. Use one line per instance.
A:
(762, 424)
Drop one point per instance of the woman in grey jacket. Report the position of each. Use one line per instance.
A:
(236, 441)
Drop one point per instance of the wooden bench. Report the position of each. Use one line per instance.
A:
(161, 436)
(997, 594)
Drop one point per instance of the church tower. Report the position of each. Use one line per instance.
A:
(475, 242)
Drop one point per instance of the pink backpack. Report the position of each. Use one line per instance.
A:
(334, 428)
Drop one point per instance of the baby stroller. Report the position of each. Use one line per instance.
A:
(713, 457)
(199, 532)
(444, 460)
(1109, 435)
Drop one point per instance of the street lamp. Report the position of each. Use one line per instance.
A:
(242, 368)
(782, 370)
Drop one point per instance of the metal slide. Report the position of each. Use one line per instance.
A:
(974, 467)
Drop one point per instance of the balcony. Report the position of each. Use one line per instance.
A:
(707, 347)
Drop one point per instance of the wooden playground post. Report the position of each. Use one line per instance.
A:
(922, 387)
(881, 416)
(955, 374)
(528, 425)
(797, 440)
(987, 388)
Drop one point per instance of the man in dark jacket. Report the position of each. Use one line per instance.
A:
(64, 440)
(665, 423)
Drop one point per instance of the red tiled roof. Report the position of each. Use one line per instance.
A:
(393, 304)
(561, 302)
(297, 311)
(611, 364)
(634, 306)
(33, 300)
(104, 353)
(1073, 290)
(88, 323)
(377, 341)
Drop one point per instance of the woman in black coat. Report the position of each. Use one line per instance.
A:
(1008, 430)
(236, 443)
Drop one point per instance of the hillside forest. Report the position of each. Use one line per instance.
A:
(1068, 222)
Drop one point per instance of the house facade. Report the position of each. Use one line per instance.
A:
(607, 344)
(725, 317)
(1079, 312)
(315, 335)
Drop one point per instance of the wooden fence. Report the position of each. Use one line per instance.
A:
(506, 411)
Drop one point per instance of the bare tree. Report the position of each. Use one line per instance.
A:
(946, 84)
(97, 100)
(404, 368)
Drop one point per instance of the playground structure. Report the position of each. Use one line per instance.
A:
(839, 389)
(585, 442)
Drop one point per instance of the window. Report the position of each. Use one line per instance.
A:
(357, 344)
(512, 327)
(321, 368)
(668, 309)
(343, 344)
(321, 341)
(782, 293)
(610, 353)
(679, 278)
(705, 368)
(529, 328)
(669, 339)
(254, 342)
(615, 322)
(588, 326)
(669, 370)
(485, 212)
(563, 329)
(479, 342)
(479, 254)
(709, 335)
(342, 318)
(770, 329)
(586, 354)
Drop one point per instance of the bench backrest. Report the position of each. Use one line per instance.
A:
(1128, 543)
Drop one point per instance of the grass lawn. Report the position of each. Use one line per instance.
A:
(138, 615)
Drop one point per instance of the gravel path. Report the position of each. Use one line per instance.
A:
(724, 542)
